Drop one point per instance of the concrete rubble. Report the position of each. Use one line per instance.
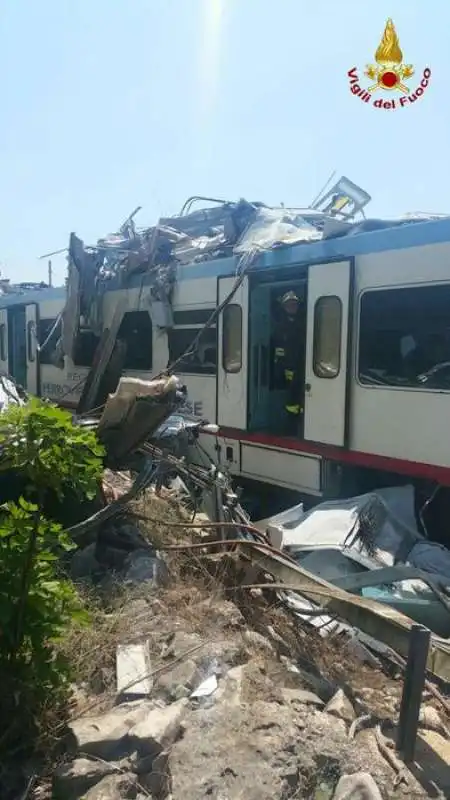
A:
(360, 786)
(340, 706)
(74, 779)
(230, 705)
(133, 670)
(264, 725)
(256, 737)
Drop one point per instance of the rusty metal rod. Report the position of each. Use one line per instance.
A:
(413, 686)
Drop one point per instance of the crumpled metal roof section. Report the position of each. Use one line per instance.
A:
(219, 230)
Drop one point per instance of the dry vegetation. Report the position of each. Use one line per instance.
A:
(203, 597)
(203, 608)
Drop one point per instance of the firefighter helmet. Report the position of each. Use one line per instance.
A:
(289, 297)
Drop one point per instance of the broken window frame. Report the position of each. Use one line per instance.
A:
(44, 326)
(321, 367)
(83, 354)
(139, 358)
(192, 365)
(231, 361)
(196, 317)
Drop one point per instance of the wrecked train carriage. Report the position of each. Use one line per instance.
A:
(372, 344)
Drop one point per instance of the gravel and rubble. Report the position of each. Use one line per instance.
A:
(281, 712)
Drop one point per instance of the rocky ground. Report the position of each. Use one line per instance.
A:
(284, 712)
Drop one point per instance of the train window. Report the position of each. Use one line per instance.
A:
(45, 327)
(232, 338)
(85, 347)
(196, 317)
(137, 333)
(202, 360)
(327, 337)
(3, 351)
(404, 337)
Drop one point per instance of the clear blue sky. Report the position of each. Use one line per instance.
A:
(108, 104)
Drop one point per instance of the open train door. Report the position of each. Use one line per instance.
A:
(4, 362)
(232, 355)
(327, 352)
(31, 322)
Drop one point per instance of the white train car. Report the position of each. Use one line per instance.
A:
(27, 316)
(369, 299)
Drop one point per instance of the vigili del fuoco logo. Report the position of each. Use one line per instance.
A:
(389, 75)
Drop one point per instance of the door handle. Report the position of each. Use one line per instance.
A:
(256, 366)
(264, 365)
(307, 387)
(258, 392)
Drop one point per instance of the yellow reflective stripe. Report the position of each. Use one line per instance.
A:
(293, 409)
(340, 202)
(289, 374)
(279, 352)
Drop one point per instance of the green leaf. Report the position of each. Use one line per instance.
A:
(27, 506)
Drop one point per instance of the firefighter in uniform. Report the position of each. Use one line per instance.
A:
(289, 356)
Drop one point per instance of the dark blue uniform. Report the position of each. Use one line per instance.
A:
(289, 356)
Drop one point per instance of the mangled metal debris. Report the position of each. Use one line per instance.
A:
(349, 560)
(135, 411)
(356, 550)
(371, 546)
(10, 393)
(369, 625)
(219, 230)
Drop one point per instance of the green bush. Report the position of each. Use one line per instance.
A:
(40, 446)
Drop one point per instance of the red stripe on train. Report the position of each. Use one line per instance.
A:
(354, 457)
(414, 469)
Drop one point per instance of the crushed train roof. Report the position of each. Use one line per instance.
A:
(228, 228)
